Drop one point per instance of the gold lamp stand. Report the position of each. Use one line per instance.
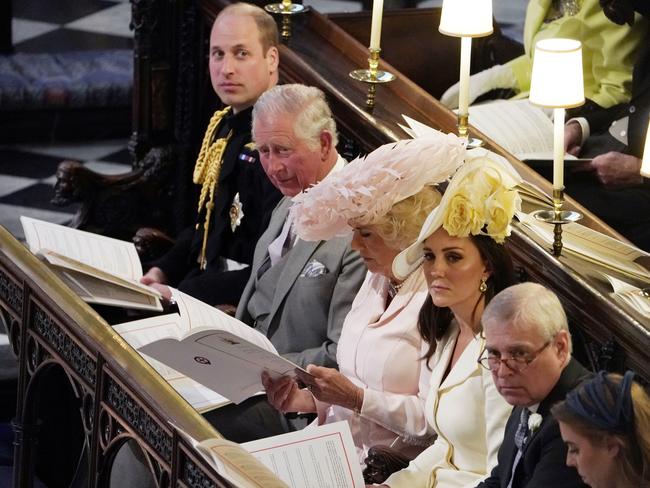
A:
(372, 76)
(558, 218)
(286, 9)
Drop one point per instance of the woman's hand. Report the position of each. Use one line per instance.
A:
(330, 386)
(285, 395)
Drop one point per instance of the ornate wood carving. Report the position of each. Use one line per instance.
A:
(61, 342)
(194, 477)
(10, 293)
(118, 205)
(137, 417)
(63, 335)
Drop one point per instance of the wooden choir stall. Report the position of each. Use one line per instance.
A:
(82, 390)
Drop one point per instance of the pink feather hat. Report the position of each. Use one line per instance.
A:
(367, 188)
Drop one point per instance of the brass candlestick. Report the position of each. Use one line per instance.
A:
(463, 132)
(558, 217)
(286, 9)
(372, 76)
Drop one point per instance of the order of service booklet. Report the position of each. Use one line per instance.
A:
(315, 457)
(210, 347)
(593, 247)
(520, 127)
(99, 269)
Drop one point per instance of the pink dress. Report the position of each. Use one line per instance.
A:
(379, 350)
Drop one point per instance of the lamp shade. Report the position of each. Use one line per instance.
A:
(645, 165)
(557, 80)
(466, 18)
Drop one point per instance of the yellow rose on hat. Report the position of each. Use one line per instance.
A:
(499, 208)
(463, 217)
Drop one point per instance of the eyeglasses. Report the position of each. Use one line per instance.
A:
(515, 363)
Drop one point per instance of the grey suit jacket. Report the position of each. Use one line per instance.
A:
(307, 313)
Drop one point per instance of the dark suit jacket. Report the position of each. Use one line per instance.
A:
(543, 463)
(241, 173)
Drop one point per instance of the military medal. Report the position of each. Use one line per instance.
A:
(236, 213)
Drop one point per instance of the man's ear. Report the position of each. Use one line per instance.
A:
(325, 144)
(273, 59)
(562, 341)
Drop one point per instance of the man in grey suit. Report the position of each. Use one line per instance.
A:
(299, 292)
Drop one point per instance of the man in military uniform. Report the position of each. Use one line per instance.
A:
(211, 259)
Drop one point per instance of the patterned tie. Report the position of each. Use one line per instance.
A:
(520, 439)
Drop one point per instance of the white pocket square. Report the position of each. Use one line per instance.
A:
(313, 269)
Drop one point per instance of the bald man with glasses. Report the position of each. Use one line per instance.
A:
(528, 351)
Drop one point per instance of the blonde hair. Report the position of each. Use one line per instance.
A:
(633, 460)
(400, 227)
(266, 26)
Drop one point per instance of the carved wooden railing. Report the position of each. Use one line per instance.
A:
(83, 392)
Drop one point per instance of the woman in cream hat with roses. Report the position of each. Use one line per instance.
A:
(465, 264)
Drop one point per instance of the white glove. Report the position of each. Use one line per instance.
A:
(498, 76)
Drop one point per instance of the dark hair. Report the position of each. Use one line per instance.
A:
(434, 321)
(610, 404)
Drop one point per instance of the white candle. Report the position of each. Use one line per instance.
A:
(375, 29)
(465, 57)
(558, 148)
(645, 165)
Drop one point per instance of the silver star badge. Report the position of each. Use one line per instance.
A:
(236, 213)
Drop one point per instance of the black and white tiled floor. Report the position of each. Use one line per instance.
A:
(27, 170)
(27, 179)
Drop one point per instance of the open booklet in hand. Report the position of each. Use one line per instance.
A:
(210, 347)
(315, 457)
(98, 268)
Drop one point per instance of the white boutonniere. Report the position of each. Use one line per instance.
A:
(534, 421)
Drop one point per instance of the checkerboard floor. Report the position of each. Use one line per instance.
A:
(27, 176)
(27, 170)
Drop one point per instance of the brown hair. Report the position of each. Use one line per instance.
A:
(434, 321)
(266, 26)
(633, 459)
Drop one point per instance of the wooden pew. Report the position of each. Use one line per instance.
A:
(81, 385)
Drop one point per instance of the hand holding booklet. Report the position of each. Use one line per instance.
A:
(98, 268)
(210, 347)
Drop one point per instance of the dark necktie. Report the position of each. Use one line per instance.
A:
(520, 440)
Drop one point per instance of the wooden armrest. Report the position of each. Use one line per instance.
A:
(119, 205)
(381, 462)
(151, 243)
